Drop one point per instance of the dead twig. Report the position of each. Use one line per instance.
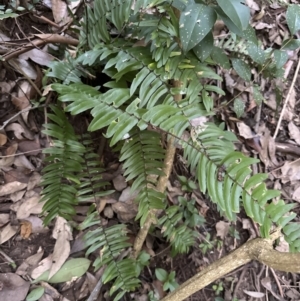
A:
(41, 40)
(287, 100)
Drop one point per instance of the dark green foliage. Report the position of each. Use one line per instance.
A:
(141, 105)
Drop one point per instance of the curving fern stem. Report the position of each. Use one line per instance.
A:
(161, 85)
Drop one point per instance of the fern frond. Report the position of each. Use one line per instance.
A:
(68, 71)
(111, 242)
(91, 185)
(226, 176)
(143, 158)
(64, 164)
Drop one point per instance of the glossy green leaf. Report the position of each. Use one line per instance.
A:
(293, 18)
(35, 294)
(195, 23)
(220, 57)
(204, 48)
(242, 69)
(238, 13)
(239, 107)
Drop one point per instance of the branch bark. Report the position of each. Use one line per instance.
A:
(259, 249)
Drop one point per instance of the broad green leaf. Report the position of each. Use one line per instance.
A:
(204, 48)
(238, 13)
(195, 23)
(214, 88)
(291, 44)
(35, 294)
(220, 57)
(280, 58)
(239, 107)
(74, 267)
(293, 18)
(242, 69)
(207, 101)
(256, 53)
(161, 275)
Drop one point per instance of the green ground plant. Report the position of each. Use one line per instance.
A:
(159, 58)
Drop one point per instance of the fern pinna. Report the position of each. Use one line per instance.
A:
(138, 108)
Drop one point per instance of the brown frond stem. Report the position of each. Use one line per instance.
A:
(161, 187)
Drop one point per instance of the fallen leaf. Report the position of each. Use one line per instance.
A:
(30, 263)
(7, 232)
(63, 234)
(11, 187)
(245, 131)
(119, 183)
(38, 56)
(43, 266)
(26, 229)
(222, 229)
(290, 171)
(125, 211)
(294, 132)
(13, 287)
(37, 224)
(23, 66)
(32, 147)
(4, 219)
(30, 206)
(19, 132)
(3, 139)
(75, 267)
(9, 157)
(34, 180)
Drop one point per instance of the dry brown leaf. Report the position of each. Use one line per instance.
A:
(19, 132)
(30, 263)
(119, 183)
(43, 266)
(32, 146)
(17, 196)
(22, 161)
(38, 56)
(296, 195)
(63, 234)
(59, 10)
(23, 66)
(26, 229)
(290, 171)
(7, 232)
(37, 224)
(34, 180)
(222, 229)
(20, 102)
(108, 212)
(11, 187)
(4, 219)
(294, 132)
(13, 287)
(245, 131)
(3, 139)
(30, 206)
(125, 211)
(9, 157)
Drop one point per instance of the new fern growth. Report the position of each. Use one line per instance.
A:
(138, 109)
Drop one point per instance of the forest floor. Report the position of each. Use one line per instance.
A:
(24, 242)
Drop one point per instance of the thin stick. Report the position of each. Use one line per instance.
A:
(286, 100)
(17, 114)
